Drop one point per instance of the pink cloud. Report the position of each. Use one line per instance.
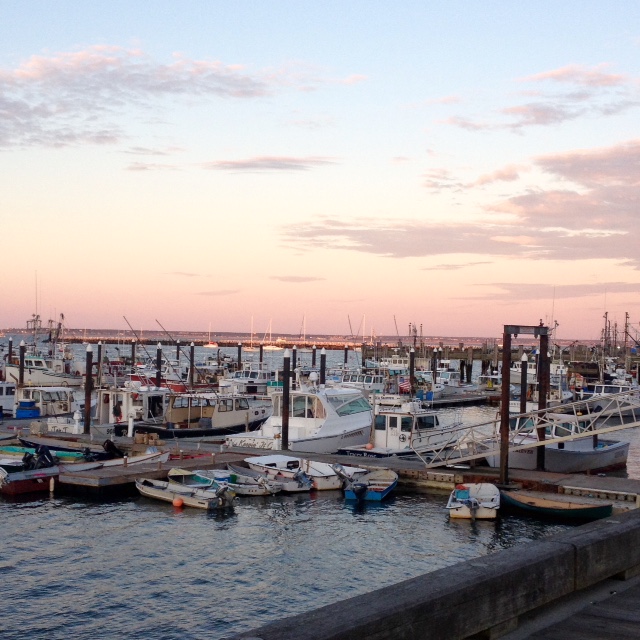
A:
(578, 74)
(269, 163)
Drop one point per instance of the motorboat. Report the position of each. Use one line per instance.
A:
(322, 475)
(321, 420)
(474, 501)
(407, 428)
(214, 478)
(298, 484)
(589, 453)
(179, 495)
(375, 485)
(533, 504)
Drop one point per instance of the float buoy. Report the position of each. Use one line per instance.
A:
(178, 502)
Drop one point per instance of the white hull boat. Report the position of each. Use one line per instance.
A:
(474, 501)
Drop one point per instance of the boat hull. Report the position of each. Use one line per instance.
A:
(196, 432)
(549, 508)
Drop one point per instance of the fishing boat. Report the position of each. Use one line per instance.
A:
(213, 478)
(374, 485)
(587, 453)
(474, 501)
(179, 495)
(322, 475)
(572, 508)
(206, 414)
(298, 484)
(36, 480)
(406, 428)
(321, 420)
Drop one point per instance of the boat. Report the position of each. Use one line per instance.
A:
(406, 428)
(36, 480)
(298, 484)
(321, 420)
(474, 501)
(322, 475)
(374, 485)
(207, 414)
(588, 453)
(221, 498)
(7, 399)
(536, 505)
(106, 452)
(44, 401)
(214, 478)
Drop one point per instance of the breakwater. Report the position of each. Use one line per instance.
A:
(481, 596)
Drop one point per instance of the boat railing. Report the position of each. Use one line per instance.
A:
(480, 440)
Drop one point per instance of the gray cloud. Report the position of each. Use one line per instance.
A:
(595, 216)
(455, 267)
(508, 291)
(68, 98)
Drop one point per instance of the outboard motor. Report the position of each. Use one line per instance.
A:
(302, 479)
(112, 450)
(87, 455)
(29, 461)
(44, 458)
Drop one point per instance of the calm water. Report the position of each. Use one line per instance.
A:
(141, 569)
(82, 569)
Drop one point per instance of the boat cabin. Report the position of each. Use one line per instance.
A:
(37, 402)
(143, 403)
(7, 398)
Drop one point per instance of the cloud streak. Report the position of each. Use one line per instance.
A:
(269, 163)
(593, 216)
(72, 98)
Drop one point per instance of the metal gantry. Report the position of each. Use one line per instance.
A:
(590, 417)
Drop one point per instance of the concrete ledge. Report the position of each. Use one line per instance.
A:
(477, 596)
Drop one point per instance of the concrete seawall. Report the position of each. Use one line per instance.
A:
(481, 596)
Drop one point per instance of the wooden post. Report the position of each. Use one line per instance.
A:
(543, 390)
(504, 408)
(99, 367)
(88, 388)
(286, 374)
(323, 366)
(293, 368)
(239, 356)
(524, 362)
(346, 355)
(261, 353)
(22, 351)
(10, 354)
(313, 355)
(158, 365)
(363, 349)
(178, 352)
(412, 369)
(133, 356)
(192, 362)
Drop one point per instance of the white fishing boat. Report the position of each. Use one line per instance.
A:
(321, 420)
(407, 428)
(474, 501)
(323, 476)
(588, 453)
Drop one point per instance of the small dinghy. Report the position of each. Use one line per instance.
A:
(374, 485)
(297, 484)
(323, 477)
(559, 508)
(474, 501)
(220, 498)
(214, 478)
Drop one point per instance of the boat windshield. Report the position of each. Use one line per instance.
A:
(426, 422)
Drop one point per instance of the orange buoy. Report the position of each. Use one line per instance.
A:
(178, 502)
(369, 446)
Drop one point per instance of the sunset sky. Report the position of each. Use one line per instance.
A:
(332, 165)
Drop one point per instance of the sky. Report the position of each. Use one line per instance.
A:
(321, 167)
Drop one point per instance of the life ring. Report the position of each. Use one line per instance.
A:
(402, 437)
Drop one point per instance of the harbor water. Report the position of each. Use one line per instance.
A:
(130, 567)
